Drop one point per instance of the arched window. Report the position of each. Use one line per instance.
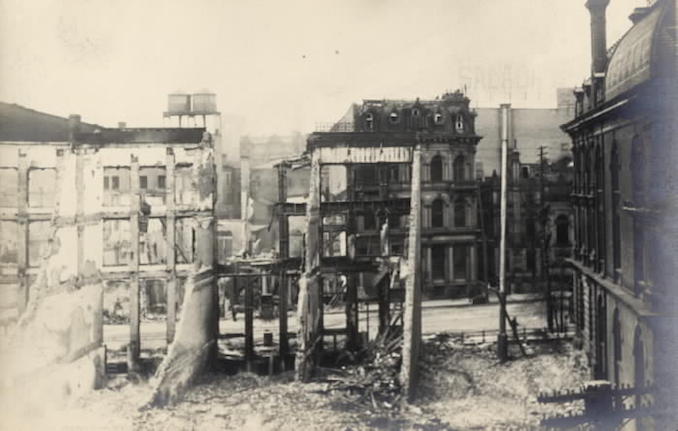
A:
(369, 121)
(460, 213)
(638, 170)
(600, 369)
(436, 169)
(437, 213)
(438, 118)
(459, 168)
(638, 255)
(617, 341)
(459, 123)
(393, 117)
(616, 201)
(639, 362)
(600, 206)
(562, 230)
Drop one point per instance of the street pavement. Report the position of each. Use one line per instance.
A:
(437, 316)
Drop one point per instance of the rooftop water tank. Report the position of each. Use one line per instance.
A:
(178, 103)
(204, 103)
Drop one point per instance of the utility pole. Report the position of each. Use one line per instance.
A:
(502, 340)
(481, 221)
(543, 214)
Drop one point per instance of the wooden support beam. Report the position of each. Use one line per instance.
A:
(352, 312)
(282, 316)
(310, 288)
(383, 303)
(170, 241)
(249, 321)
(412, 311)
(320, 324)
(134, 347)
(22, 231)
(80, 209)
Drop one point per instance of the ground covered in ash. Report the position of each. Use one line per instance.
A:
(462, 387)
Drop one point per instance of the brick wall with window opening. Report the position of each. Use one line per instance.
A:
(152, 243)
(117, 243)
(153, 184)
(333, 186)
(185, 240)
(185, 192)
(38, 235)
(9, 187)
(41, 188)
(9, 235)
(116, 187)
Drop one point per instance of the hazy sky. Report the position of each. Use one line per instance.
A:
(287, 65)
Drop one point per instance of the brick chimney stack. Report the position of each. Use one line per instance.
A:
(598, 43)
(73, 127)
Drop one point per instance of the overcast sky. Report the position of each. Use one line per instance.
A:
(287, 65)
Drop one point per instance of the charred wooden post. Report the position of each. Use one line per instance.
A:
(134, 347)
(351, 312)
(310, 287)
(170, 241)
(412, 312)
(284, 251)
(22, 240)
(320, 325)
(383, 299)
(249, 321)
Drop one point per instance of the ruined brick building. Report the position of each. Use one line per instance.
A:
(445, 128)
(624, 145)
(133, 206)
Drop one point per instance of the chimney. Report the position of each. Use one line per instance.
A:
(598, 44)
(122, 125)
(73, 127)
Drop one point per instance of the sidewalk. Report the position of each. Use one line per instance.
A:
(514, 298)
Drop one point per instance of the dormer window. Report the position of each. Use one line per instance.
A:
(369, 121)
(459, 124)
(438, 118)
(393, 118)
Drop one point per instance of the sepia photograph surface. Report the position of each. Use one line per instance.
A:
(339, 215)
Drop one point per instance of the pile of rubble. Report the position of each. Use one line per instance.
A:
(374, 380)
(466, 386)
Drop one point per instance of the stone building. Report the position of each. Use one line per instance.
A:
(539, 224)
(624, 145)
(445, 128)
(539, 178)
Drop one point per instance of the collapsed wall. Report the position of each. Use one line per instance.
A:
(55, 349)
(194, 346)
(98, 224)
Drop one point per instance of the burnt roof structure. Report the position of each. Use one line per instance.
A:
(21, 124)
